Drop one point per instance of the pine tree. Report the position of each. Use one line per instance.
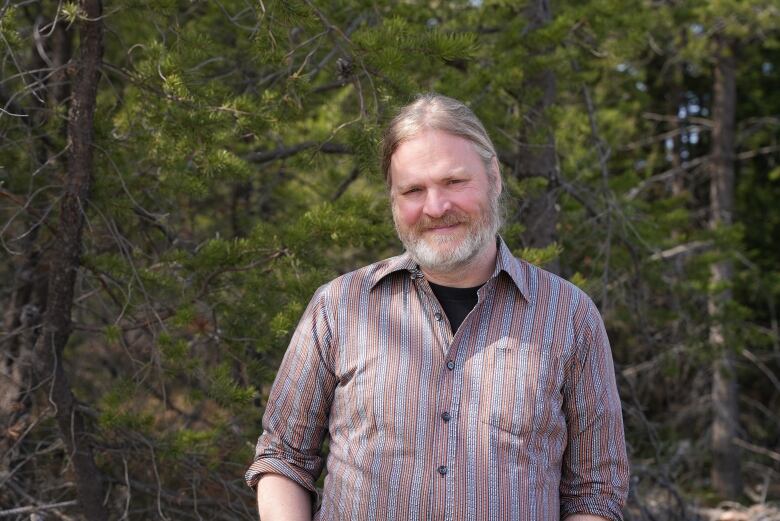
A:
(233, 170)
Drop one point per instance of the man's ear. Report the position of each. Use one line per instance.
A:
(496, 175)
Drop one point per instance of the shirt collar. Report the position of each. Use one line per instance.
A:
(512, 266)
(505, 261)
(400, 263)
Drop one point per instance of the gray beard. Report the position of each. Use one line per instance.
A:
(431, 258)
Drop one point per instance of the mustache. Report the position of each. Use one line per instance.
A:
(448, 219)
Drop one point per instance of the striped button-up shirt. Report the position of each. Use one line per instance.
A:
(516, 416)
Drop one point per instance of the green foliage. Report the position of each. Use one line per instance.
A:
(223, 388)
(540, 256)
(119, 412)
(236, 171)
(72, 12)
(10, 28)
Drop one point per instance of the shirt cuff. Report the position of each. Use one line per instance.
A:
(594, 505)
(267, 465)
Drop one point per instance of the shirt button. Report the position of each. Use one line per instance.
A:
(451, 365)
(445, 416)
(437, 315)
(442, 470)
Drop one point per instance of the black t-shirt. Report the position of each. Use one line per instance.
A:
(457, 302)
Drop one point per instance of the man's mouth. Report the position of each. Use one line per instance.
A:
(442, 227)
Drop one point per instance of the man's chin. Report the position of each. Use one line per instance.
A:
(439, 249)
(439, 258)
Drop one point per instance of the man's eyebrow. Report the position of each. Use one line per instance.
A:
(459, 171)
(456, 173)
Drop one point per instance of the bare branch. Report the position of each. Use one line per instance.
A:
(763, 367)
(757, 449)
(353, 175)
(763, 151)
(666, 175)
(681, 249)
(677, 120)
(34, 509)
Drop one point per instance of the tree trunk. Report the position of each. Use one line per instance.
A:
(65, 261)
(536, 154)
(725, 472)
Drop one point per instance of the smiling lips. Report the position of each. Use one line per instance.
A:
(442, 227)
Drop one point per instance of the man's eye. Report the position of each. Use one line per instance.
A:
(411, 191)
(454, 181)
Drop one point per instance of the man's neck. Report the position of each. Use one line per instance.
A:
(474, 273)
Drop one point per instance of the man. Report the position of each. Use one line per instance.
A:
(455, 381)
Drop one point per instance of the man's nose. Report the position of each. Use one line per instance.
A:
(436, 204)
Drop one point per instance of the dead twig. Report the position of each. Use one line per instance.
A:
(32, 509)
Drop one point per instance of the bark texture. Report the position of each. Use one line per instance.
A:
(64, 266)
(536, 155)
(725, 472)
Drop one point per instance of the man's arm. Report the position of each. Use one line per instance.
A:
(594, 479)
(585, 517)
(295, 422)
(282, 499)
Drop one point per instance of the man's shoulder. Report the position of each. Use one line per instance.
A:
(365, 278)
(561, 297)
(544, 285)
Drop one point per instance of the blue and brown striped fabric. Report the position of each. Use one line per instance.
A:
(514, 417)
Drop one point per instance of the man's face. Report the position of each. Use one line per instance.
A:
(445, 206)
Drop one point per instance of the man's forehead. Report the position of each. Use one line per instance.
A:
(449, 154)
(435, 138)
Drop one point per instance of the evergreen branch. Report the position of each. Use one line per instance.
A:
(317, 68)
(163, 314)
(140, 83)
(285, 152)
(234, 269)
(334, 29)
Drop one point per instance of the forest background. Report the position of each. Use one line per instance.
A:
(177, 177)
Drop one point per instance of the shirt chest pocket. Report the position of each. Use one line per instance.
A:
(516, 395)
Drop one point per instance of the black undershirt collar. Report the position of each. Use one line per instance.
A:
(456, 302)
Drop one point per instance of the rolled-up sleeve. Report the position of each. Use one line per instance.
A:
(296, 416)
(595, 471)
